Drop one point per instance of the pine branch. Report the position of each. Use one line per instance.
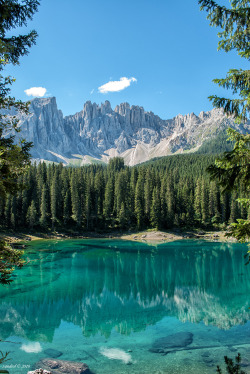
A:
(235, 23)
(13, 14)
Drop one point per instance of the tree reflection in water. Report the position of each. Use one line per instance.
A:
(101, 284)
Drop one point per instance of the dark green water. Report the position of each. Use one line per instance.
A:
(105, 302)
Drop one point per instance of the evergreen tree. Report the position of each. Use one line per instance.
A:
(132, 187)
(75, 198)
(197, 201)
(67, 210)
(54, 201)
(25, 205)
(170, 193)
(121, 185)
(233, 208)
(32, 215)
(99, 192)
(7, 211)
(213, 203)
(139, 200)
(116, 164)
(170, 201)
(163, 202)
(148, 189)
(44, 207)
(13, 217)
(235, 25)
(235, 166)
(204, 203)
(122, 216)
(224, 207)
(14, 157)
(108, 204)
(155, 212)
(88, 206)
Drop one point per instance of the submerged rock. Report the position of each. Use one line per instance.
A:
(206, 354)
(178, 340)
(39, 371)
(245, 363)
(63, 367)
(54, 353)
(208, 360)
(232, 349)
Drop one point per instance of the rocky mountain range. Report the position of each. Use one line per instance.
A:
(99, 132)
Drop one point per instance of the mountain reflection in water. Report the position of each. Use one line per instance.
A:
(102, 284)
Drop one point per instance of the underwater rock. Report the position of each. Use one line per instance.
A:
(232, 349)
(54, 353)
(63, 367)
(39, 371)
(208, 360)
(206, 354)
(178, 340)
(245, 363)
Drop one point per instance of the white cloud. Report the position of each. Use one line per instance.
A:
(31, 347)
(92, 91)
(36, 91)
(116, 86)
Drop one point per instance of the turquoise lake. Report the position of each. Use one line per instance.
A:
(106, 303)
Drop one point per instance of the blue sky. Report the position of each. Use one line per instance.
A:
(166, 51)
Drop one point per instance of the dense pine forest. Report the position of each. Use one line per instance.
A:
(173, 191)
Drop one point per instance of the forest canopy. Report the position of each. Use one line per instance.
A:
(170, 192)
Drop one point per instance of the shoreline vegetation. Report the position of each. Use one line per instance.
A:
(147, 236)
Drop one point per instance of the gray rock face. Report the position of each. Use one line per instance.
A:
(63, 367)
(98, 132)
(39, 371)
(178, 340)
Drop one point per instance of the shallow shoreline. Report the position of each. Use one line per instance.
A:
(169, 236)
(150, 236)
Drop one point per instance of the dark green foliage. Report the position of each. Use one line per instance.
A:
(9, 258)
(168, 192)
(216, 145)
(231, 366)
(235, 25)
(155, 211)
(13, 15)
(116, 164)
(32, 215)
(233, 173)
(14, 158)
(44, 207)
(75, 198)
(233, 170)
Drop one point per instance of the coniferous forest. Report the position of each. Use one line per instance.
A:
(169, 192)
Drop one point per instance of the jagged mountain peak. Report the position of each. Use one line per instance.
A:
(100, 132)
(40, 102)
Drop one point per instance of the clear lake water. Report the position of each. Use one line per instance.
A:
(109, 303)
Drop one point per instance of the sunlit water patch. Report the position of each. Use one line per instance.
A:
(126, 307)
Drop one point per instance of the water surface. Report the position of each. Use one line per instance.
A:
(105, 303)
